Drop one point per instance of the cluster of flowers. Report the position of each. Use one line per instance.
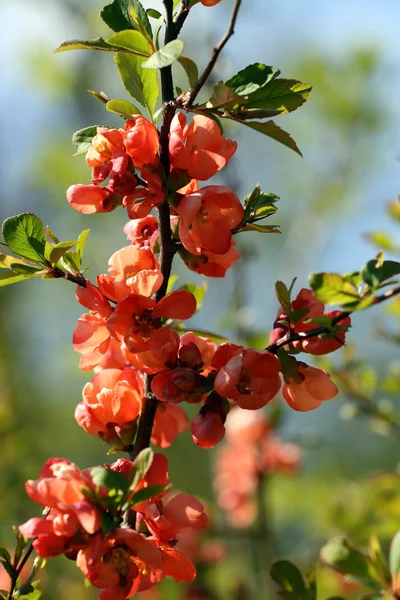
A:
(202, 219)
(83, 523)
(251, 451)
(137, 336)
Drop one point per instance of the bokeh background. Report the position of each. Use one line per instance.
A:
(331, 199)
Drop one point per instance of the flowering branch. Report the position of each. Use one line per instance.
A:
(214, 57)
(298, 337)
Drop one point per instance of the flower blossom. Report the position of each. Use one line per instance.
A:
(314, 388)
(199, 149)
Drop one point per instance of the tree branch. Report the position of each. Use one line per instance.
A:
(214, 57)
(298, 337)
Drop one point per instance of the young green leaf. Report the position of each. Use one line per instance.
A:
(270, 129)
(116, 15)
(394, 556)
(131, 40)
(341, 555)
(25, 235)
(25, 269)
(223, 97)
(123, 108)
(191, 69)
(140, 83)
(138, 15)
(148, 492)
(284, 95)
(59, 251)
(140, 467)
(95, 44)
(83, 139)
(153, 13)
(287, 576)
(373, 274)
(252, 78)
(6, 261)
(9, 277)
(81, 243)
(103, 477)
(332, 288)
(283, 295)
(166, 56)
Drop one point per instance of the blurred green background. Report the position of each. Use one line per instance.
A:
(348, 132)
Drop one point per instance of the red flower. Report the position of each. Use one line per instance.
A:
(89, 199)
(140, 202)
(170, 421)
(112, 402)
(199, 149)
(315, 387)
(250, 378)
(135, 319)
(141, 142)
(115, 563)
(142, 232)
(207, 218)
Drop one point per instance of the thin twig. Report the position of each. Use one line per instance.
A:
(298, 337)
(214, 57)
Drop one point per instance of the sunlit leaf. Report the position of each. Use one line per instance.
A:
(25, 235)
(140, 83)
(166, 56)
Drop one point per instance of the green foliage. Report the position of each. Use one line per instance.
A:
(342, 556)
(140, 467)
(191, 69)
(139, 16)
(139, 82)
(293, 585)
(252, 79)
(166, 56)
(270, 129)
(116, 15)
(112, 480)
(131, 40)
(198, 291)
(332, 288)
(123, 108)
(96, 44)
(375, 273)
(394, 556)
(259, 205)
(83, 139)
(283, 295)
(148, 492)
(25, 235)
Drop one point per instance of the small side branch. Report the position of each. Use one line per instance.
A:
(214, 57)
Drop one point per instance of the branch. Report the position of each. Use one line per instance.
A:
(214, 57)
(181, 16)
(298, 337)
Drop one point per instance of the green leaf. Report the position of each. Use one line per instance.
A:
(332, 288)
(191, 69)
(95, 44)
(101, 96)
(122, 107)
(25, 269)
(342, 556)
(270, 129)
(223, 97)
(259, 204)
(131, 40)
(140, 83)
(287, 576)
(373, 275)
(382, 239)
(6, 261)
(116, 15)
(139, 17)
(153, 13)
(283, 295)
(81, 243)
(83, 139)
(9, 277)
(112, 480)
(140, 467)
(252, 78)
(261, 228)
(166, 56)
(284, 95)
(198, 291)
(148, 492)
(5, 555)
(59, 251)
(25, 235)
(394, 555)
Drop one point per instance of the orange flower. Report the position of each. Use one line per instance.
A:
(316, 387)
(210, 2)
(140, 202)
(207, 218)
(163, 349)
(112, 402)
(91, 337)
(108, 146)
(175, 564)
(135, 318)
(250, 378)
(170, 421)
(132, 269)
(142, 232)
(199, 149)
(115, 563)
(208, 263)
(166, 516)
(60, 487)
(141, 142)
(89, 199)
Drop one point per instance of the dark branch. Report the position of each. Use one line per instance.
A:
(214, 57)
(298, 337)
